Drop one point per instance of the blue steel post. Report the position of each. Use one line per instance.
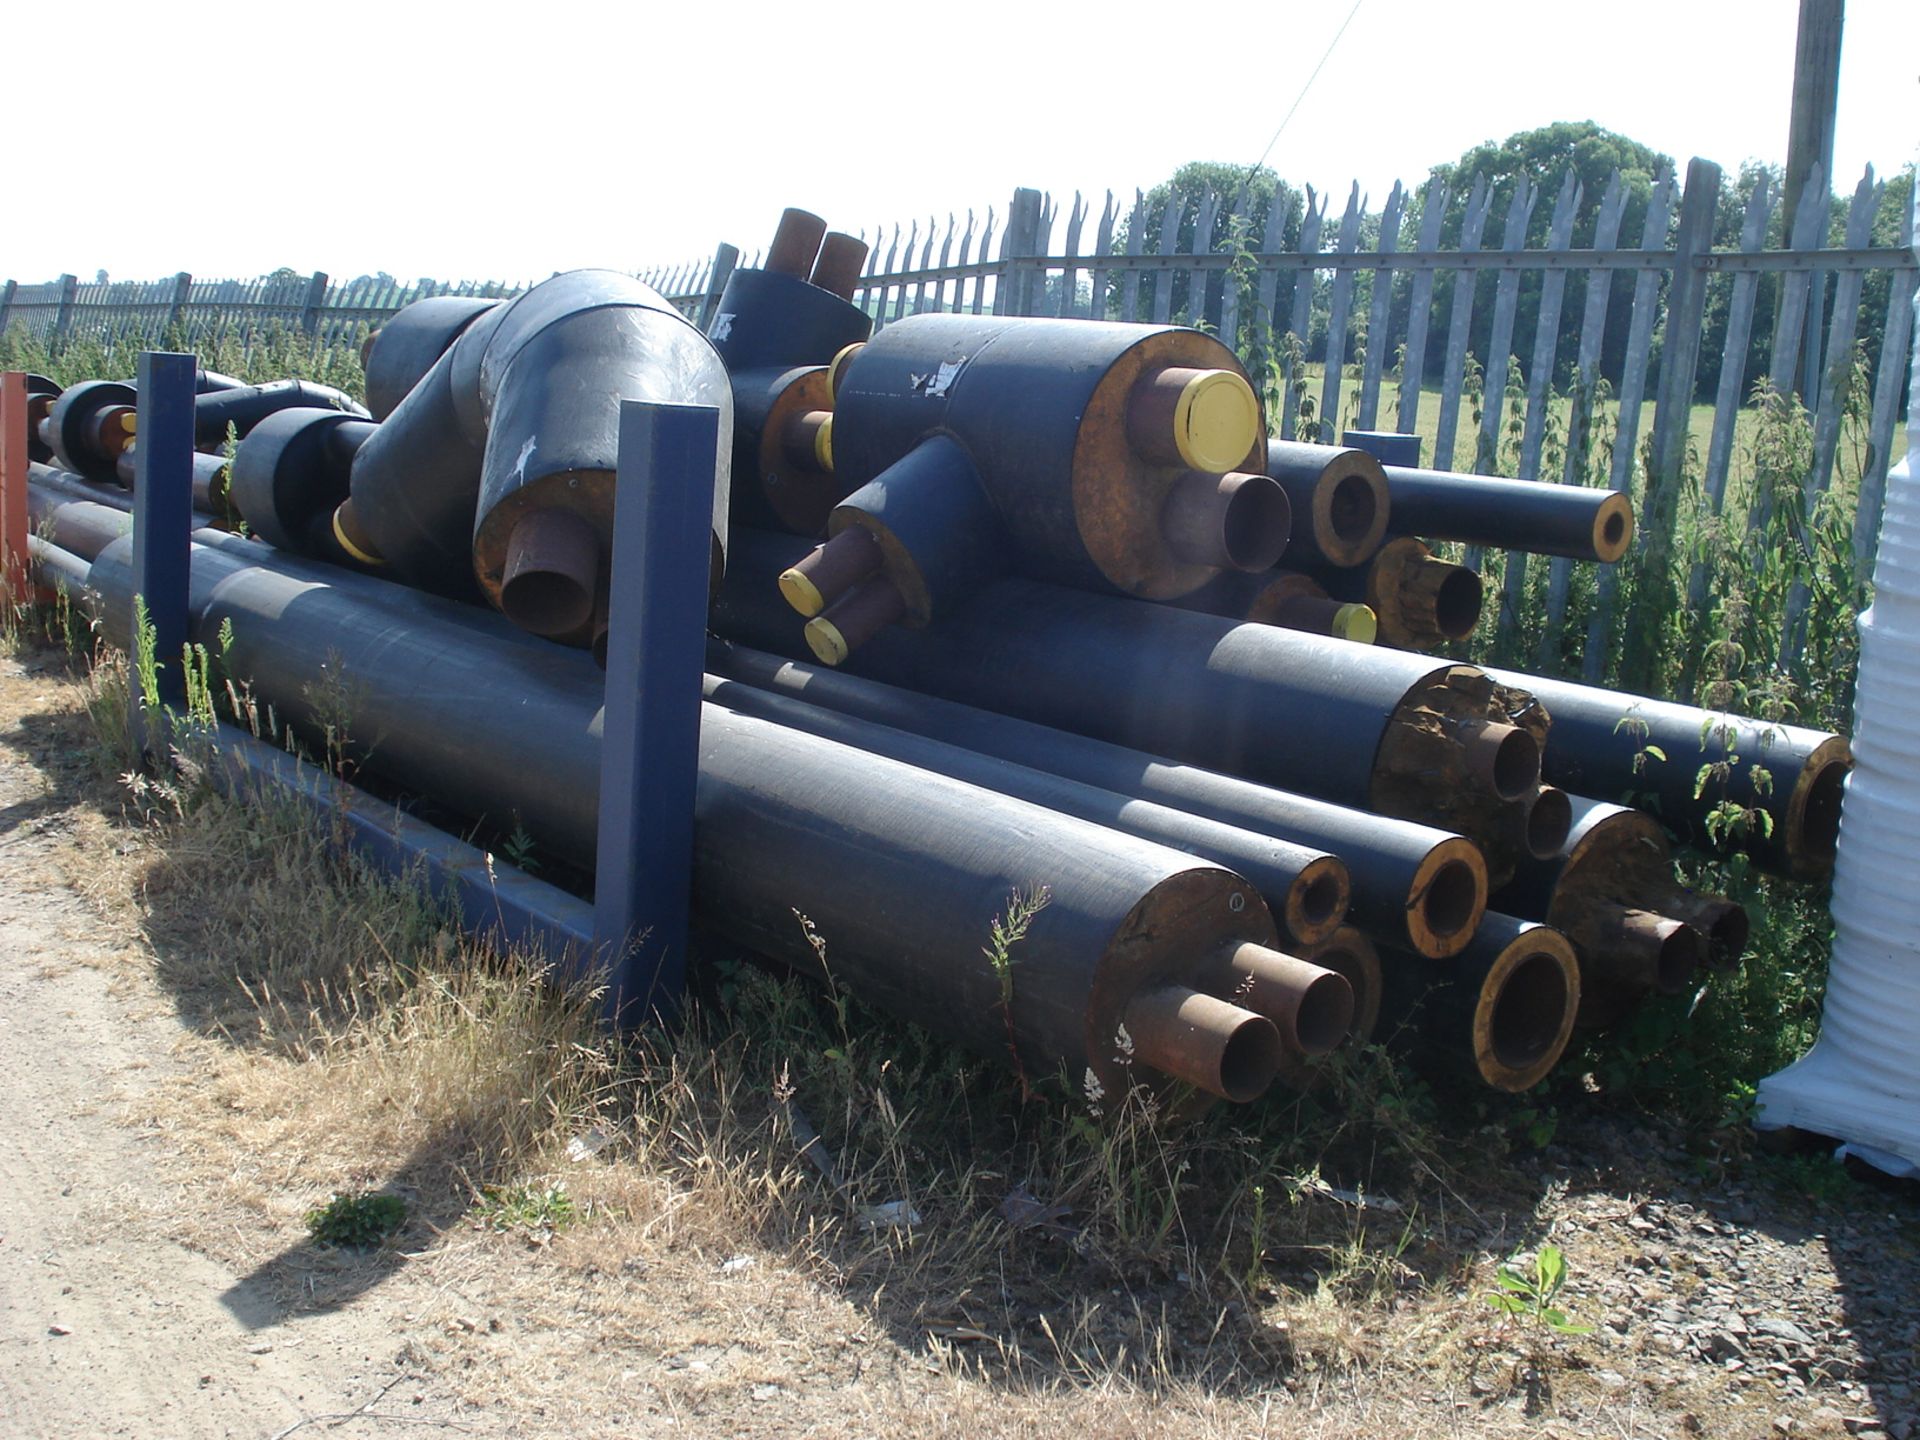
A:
(1389, 447)
(162, 521)
(656, 651)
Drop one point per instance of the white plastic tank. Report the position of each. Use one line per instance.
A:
(1861, 1081)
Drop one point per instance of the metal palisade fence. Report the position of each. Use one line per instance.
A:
(1523, 327)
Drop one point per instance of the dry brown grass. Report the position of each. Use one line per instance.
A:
(716, 1265)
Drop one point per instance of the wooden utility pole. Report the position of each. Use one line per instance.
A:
(1816, 94)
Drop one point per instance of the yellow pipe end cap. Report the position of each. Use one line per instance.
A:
(1215, 421)
(837, 367)
(825, 640)
(823, 445)
(365, 557)
(1357, 623)
(801, 593)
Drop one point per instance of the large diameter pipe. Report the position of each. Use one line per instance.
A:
(897, 872)
(1092, 454)
(41, 394)
(1307, 890)
(291, 475)
(1526, 515)
(398, 355)
(89, 424)
(1605, 744)
(1361, 726)
(1419, 887)
(1505, 1007)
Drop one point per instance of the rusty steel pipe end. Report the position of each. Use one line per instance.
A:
(796, 240)
(1319, 898)
(1504, 758)
(1210, 1043)
(1205, 420)
(828, 571)
(855, 618)
(807, 441)
(836, 269)
(1549, 819)
(551, 573)
(1310, 1005)
(1665, 951)
(1235, 521)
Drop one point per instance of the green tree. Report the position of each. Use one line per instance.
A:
(1544, 155)
(1246, 199)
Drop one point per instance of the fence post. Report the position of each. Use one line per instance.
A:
(1022, 242)
(6, 304)
(177, 306)
(724, 259)
(63, 317)
(1656, 593)
(14, 527)
(650, 729)
(162, 522)
(316, 298)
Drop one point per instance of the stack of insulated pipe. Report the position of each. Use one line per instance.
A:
(776, 329)
(1107, 456)
(1396, 734)
(1142, 963)
(1607, 743)
(1611, 892)
(494, 476)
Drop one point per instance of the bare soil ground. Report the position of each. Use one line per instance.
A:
(156, 1278)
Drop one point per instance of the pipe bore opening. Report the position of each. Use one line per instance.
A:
(1613, 529)
(1451, 899)
(1513, 765)
(1257, 524)
(1549, 818)
(1320, 896)
(1528, 1012)
(1456, 605)
(1351, 509)
(1820, 819)
(1325, 1014)
(553, 566)
(1249, 1060)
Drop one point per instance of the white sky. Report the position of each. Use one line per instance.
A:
(504, 142)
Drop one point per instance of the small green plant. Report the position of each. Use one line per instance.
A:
(1007, 931)
(359, 1221)
(1531, 1295)
(523, 1207)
